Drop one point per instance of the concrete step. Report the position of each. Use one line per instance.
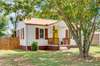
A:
(63, 48)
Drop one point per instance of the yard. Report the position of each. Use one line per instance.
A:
(48, 58)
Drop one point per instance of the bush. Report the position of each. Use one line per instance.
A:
(34, 46)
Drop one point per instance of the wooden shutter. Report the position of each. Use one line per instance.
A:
(46, 33)
(66, 34)
(37, 33)
(23, 33)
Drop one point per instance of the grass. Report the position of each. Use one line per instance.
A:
(48, 58)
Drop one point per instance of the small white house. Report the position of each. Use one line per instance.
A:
(48, 33)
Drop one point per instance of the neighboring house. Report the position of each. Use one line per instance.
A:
(50, 34)
(96, 38)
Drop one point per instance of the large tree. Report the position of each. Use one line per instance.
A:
(79, 16)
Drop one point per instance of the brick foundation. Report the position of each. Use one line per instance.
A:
(40, 48)
(50, 47)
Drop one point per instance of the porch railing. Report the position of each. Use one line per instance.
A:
(52, 41)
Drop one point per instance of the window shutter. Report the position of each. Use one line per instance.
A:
(37, 33)
(66, 34)
(46, 33)
(23, 33)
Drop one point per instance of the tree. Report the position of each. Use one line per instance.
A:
(9, 7)
(22, 9)
(3, 23)
(79, 16)
(98, 23)
(98, 16)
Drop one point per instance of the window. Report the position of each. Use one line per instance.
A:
(41, 33)
(23, 33)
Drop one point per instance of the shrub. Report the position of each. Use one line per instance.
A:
(34, 46)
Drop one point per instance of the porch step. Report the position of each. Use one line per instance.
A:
(63, 48)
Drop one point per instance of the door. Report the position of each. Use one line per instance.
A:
(55, 36)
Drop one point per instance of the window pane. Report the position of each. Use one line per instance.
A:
(41, 33)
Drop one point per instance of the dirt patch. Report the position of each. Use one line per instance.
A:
(20, 59)
(2, 60)
(15, 61)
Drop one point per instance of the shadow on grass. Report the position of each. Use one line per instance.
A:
(50, 58)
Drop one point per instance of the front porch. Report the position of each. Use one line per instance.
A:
(56, 44)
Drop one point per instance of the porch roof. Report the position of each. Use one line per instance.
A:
(39, 21)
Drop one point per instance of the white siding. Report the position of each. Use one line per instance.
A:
(50, 31)
(31, 35)
(21, 25)
(72, 42)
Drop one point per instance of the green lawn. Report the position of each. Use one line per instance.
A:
(48, 58)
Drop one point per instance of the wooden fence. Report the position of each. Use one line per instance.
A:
(9, 43)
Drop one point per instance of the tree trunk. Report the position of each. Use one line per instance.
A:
(84, 52)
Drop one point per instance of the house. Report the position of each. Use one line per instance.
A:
(50, 34)
(96, 38)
